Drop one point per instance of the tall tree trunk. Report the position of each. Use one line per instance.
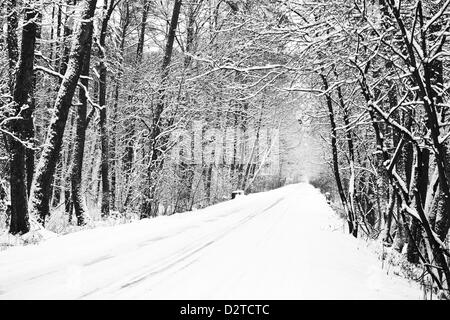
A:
(190, 33)
(104, 145)
(65, 43)
(352, 225)
(400, 236)
(11, 40)
(351, 149)
(62, 59)
(140, 45)
(58, 34)
(29, 120)
(22, 94)
(79, 143)
(112, 150)
(423, 159)
(41, 189)
(102, 69)
(129, 123)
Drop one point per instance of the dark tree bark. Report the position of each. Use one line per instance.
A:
(387, 219)
(66, 28)
(140, 45)
(190, 32)
(104, 145)
(352, 225)
(401, 234)
(351, 149)
(41, 190)
(112, 149)
(79, 143)
(165, 66)
(66, 174)
(22, 94)
(102, 69)
(11, 40)
(58, 33)
(234, 7)
(67, 32)
(208, 180)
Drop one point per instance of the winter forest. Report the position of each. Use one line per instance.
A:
(115, 111)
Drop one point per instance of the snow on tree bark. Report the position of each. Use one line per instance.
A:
(79, 143)
(23, 87)
(41, 188)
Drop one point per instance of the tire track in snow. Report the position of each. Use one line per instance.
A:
(174, 262)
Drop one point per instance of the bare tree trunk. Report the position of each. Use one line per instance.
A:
(67, 32)
(140, 46)
(79, 143)
(422, 186)
(41, 189)
(29, 120)
(112, 150)
(400, 236)
(104, 145)
(22, 94)
(351, 150)
(58, 33)
(102, 69)
(63, 58)
(12, 43)
(66, 183)
(352, 226)
(387, 219)
(190, 32)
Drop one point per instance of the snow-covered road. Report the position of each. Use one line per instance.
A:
(282, 244)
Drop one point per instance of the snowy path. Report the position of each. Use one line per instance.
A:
(281, 244)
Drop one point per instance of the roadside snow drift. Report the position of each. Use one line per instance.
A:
(282, 244)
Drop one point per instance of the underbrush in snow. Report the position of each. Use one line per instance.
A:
(59, 223)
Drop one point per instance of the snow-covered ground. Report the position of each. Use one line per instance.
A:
(282, 244)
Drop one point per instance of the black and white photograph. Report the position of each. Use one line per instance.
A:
(224, 153)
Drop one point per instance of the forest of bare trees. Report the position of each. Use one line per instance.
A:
(136, 108)
(107, 104)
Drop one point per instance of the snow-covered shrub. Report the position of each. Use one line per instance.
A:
(4, 215)
(8, 240)
(325, 183)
